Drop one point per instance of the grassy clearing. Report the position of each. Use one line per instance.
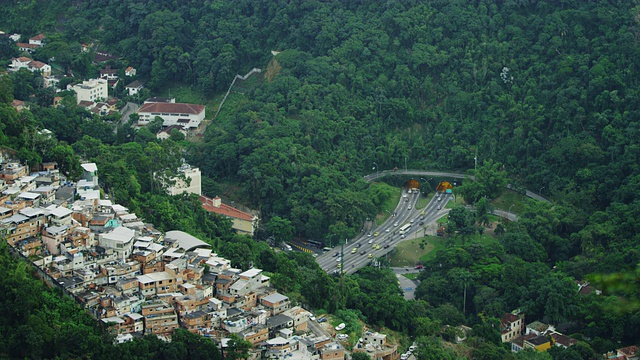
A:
(389, 206)
(409, 252)
(510, 200)
(436, 243)
(411, 276)
(424, 201)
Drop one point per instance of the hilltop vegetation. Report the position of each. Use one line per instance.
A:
(545, 91)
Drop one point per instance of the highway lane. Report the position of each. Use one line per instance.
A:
(351, 262)
(328, 260)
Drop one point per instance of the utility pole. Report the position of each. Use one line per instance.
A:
(341, 260)
(475, 161)
(405, 164)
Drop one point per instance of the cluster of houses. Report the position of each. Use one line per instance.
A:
(541, 337)
(137, 280)
(536, 335)
(93, 94)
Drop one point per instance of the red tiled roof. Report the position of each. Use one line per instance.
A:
(171, 128)
(15, 103)
(629, 351)
(37, 64)
(509, 318)
(27, 46)
(563, 339)
(128, 68)
(86, 103)
(224, 209)
(23, 59)
(38, 37)
(172, 108)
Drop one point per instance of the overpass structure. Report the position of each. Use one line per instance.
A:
(454, 175)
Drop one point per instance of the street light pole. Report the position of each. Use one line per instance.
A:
(509, 211)
(374, 163)
(540, 192)
(405, 164)
(331, 237)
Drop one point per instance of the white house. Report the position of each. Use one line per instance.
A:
(188, 116)
(90, 173)
(165, 133)
(134, 87)
(180, 186)
(31, 65)
(27, 47)
(91, 90)
(119, 239)
(130, 71)
(19, 63)
(38, 66)
(37, 40)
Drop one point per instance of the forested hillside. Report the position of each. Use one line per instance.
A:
(545, 89)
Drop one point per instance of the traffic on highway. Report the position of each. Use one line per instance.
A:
(379, 241)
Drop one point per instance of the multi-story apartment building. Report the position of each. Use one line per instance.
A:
(91, 90)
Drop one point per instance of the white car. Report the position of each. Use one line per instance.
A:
(371, 241)
(340, 327)
(404, 357)
(312, 318)
(412, 348)
(388, 230)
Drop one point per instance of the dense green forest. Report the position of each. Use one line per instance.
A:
(545, 91)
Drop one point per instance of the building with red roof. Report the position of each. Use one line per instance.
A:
(189, 116)
(511, 326)
(243, 222)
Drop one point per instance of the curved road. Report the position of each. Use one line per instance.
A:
(369, 246)
(384, 173)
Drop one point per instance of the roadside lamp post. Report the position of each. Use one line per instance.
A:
(540, 191)
(330, 237)
(509, 211)
(374, 163)
(405, 164)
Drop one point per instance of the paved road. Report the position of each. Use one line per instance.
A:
(130, 108)
(388, 235)
(404, 270)
(408, 287)
(317, 329)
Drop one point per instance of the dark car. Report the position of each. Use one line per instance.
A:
(419, 267)
(334, 254)
(386, 246)
(322, 319)
(358, 245)
(363, 252)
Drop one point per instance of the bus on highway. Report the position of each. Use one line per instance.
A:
(315, 243)
(326, 249)
(405, 228)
